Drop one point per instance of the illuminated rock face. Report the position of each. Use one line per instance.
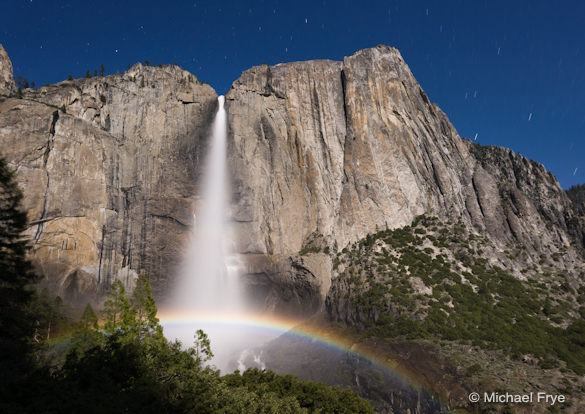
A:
(345, 148)
(325, 150)
(7, 85)
(109, 168)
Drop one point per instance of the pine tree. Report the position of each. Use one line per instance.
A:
(15, 278)
(143, 307)
(117, 309)
(49, 315)
(87, 334)
(22, 83)
(102, 69)
(202, 347)
(89, 320)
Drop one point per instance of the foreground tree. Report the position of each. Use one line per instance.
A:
(143, 310)
(49, 315)
(16, 276)
(87, 334)
(202, 346)
(128, 366)
(117, 308)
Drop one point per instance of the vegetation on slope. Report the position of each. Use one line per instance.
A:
(430, 281)
(577, 195)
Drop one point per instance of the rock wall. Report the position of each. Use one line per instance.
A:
(7, 85)
(345, 148)
(109, 168)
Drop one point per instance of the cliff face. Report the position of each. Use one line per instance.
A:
(108, 166)
(7, 85)
(345, 148)
(321, 154)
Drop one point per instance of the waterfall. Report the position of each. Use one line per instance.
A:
(208, 284)
(208, 294)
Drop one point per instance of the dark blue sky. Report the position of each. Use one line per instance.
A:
(512, 74)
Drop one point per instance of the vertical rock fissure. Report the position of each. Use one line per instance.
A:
(320, 123)
(101, 254)
(143, 235)
(125, 229)
(476, 191)
(41, 224)
(344, 95)
(50, 141)
(52, 128)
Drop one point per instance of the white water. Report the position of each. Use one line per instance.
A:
(209, 278)
(208, 287)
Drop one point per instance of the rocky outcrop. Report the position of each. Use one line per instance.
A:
(7, 85)
(345, 148)
(109, 168)
(287, 285)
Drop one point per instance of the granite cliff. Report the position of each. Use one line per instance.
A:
(321, 153)
(109, 167)
(7, 85)
(343, 149)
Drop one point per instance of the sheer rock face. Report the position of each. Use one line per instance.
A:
(335, 148)
(345, 148)
(109, 168)
(7, 85)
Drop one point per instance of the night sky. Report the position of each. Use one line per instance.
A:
(510, 75)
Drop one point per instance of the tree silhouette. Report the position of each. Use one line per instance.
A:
(202, 346)
(117, 308)
(143, 309)
(22, 83)
(16, 276)
(87, 333)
